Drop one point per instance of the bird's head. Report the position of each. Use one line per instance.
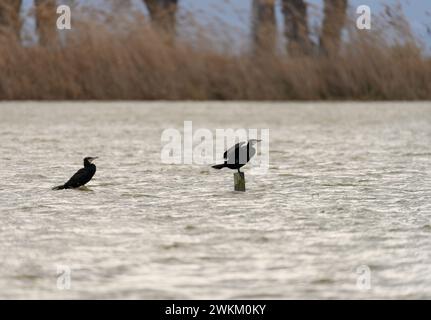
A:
(253, 141)
(89, 159)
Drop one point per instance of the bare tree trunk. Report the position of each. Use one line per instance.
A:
(163, 13)
(46, 17)
(264, 26)
(333, 23)
(296, 27)
(10, 20)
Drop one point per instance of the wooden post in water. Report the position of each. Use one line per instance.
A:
(239, 180)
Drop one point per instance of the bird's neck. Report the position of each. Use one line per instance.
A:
(250, 149)
(87, 164)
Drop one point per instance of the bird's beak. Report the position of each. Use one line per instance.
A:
(258, 140)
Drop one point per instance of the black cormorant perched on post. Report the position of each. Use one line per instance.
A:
(82, 177)
(237, 156)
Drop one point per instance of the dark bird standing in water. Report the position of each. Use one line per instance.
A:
(82, 177)
(238, 156)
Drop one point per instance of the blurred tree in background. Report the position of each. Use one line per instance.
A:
(296, 25)
(10, 22)
(163, 15)
(46, 18)
(335, 12)
(264, 25)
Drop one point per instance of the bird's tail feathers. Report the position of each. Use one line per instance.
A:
(59, 188)
(219, 166)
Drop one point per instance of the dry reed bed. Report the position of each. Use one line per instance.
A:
(97, 62)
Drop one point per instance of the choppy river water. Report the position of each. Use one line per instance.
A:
(344, 210)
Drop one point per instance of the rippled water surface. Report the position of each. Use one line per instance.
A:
(347, 195)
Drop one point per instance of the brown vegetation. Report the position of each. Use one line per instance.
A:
(99, 61)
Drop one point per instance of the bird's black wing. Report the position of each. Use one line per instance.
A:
(77, 178)
(237, 154)
(232, 150)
